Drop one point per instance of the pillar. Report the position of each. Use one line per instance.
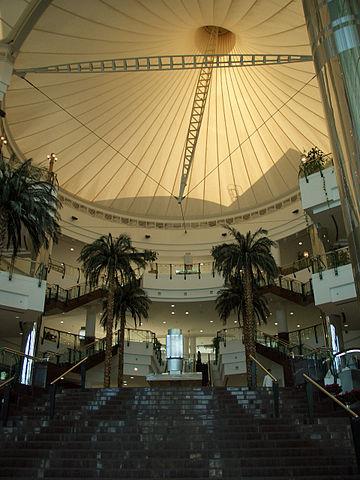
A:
(334, 31)
(282, 324)
(6, 69)
(335, 332)
(90, 323)
(186, 346)
(192, 346)
(275, 252)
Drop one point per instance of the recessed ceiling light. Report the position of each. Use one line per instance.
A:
(291, 313)
(20, 333)
(201, 264)
(131, 378)
(346, 325)
(71, 249)
(17, 316)
(211, 321)
(201, 331)
(172, 313)
(135, 369)
(298, 326)
(62, 378)
(61, 321)
(186, 313)
(300, 243)
(276, 323)
(235, 321)
(173, 305)
(164, 322)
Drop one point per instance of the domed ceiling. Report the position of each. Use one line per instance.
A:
(120, 137)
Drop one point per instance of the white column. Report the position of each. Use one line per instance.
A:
(90, 321)
(282, 324)
(192, 346)
(275, 251)
(336, 332)
(6, 69)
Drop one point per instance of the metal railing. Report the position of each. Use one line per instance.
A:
(5, 404)
(354, 421)
(275, 383)
(23, 266)
(53, 384)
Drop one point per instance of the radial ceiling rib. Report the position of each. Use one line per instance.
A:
(253, 133)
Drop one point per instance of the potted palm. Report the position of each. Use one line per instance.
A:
(130, 299)
(118, 262)
(28, 206)
(248, 260)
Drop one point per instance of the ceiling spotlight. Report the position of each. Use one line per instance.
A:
(298, 326)
(20, 333)
(135, 369)
(291, 313)
(71, 249)
(62, 321)
(172, 313)
(276, 324)
(172, 305)
(17, 316)
(346, 325)
(300, 243)
(211, 321)
(164, 322)
(132, 378)
(235, 321)
(201, 331)
(186, 313)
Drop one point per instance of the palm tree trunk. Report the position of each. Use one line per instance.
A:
(121, 349)
(109, 334)
(3, 230)
(249, 320)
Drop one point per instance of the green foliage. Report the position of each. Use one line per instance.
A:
(27, 204)
(314, 161)
(232, 299)
(250, 252)
(128, 298)
(116, 259)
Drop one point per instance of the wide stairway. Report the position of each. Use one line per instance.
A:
(167, 433)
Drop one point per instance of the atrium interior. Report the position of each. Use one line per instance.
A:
(184, 130)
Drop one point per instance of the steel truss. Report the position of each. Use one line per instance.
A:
(168, 62)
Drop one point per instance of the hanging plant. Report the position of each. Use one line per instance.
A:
(314, 161)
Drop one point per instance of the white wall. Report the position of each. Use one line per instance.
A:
(173, 243)
(21, 293)
(334, 288)
(312, 192)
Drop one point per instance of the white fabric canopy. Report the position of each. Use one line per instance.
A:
(120, 137)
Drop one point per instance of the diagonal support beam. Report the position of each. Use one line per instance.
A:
(197, 112)
(166, 63)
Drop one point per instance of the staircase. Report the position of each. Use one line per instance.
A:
(169, 433)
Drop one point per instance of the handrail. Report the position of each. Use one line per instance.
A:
(323, 390)
(68, 371)
(264, 369)
(21, 354)
(9, 380)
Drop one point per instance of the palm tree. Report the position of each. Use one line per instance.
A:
(118, 261)
(248, 258)
(28, 204)
(129, 298)
(232, 299)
